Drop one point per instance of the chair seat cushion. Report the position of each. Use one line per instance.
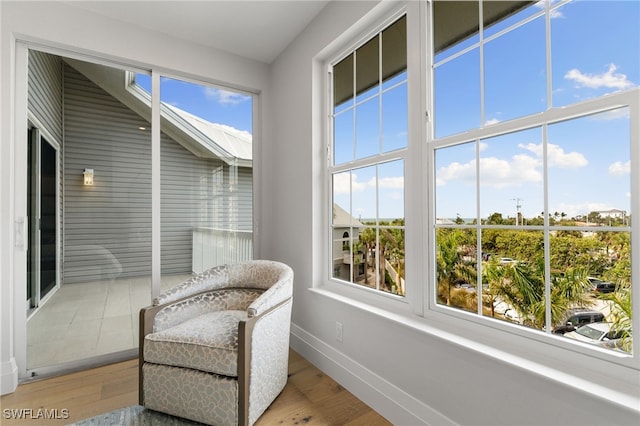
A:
(208, 342)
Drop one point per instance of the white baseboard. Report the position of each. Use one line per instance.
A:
(388, 400)
(8, 376)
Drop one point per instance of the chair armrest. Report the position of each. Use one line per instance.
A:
(282, 290)
(226, 299)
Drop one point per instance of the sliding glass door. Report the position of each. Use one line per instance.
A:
(43, 207)
(91, 202)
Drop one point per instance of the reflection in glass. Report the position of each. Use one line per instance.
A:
(515, 73)
(206, 200)
(456, 184)
(610, 32)
(511, 179)
(589, 170)
(457, 94)
(101, 257)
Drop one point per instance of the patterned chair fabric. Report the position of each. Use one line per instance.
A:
(215, 348)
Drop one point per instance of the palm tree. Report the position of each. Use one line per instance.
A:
(368, 239)
(451, 267)
(620, 303)
(523, 287)
(492, 273)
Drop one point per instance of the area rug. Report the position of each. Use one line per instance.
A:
(135, 415)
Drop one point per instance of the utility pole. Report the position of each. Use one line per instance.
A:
(518, 206)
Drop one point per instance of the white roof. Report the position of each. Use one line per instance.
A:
(342, 218)
(236, 143)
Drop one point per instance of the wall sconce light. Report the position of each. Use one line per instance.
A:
(88, 177)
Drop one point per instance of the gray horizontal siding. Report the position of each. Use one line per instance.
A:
(108, 225)
(195, 193)
(44, 102)
(45, 91)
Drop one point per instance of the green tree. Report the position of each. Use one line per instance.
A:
(495, 219)
(493, 275)
(523, 287)
(368, 239)
(451, 266)
(620, 303)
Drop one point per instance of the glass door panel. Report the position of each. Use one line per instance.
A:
(206, 178)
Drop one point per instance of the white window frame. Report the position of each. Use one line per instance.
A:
(574, 364)
(369, 161)
(629, 98)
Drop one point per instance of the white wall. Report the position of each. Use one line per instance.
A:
(61, 26)
(411, 370)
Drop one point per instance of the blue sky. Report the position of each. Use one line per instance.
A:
(595, 49)
(213, 104)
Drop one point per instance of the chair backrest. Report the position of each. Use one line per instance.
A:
(260, 274)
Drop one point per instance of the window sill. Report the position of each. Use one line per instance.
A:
(604, 374)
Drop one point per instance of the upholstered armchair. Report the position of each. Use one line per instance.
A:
(215, 348)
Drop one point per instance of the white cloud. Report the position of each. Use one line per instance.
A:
(494, 172)
(619, 168)
(225, 97)
(556, 156)
(499, 173)
(457, 172)
(515, 171)
(491, 121)
(390, 182)
(609, 79)
(341, 183)
(555, 13)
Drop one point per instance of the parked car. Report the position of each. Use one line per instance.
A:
(594, 281)
(578, 317)
(465, 286)
(605, 287)
(597, 333)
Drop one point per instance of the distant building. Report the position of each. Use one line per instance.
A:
(613, 213)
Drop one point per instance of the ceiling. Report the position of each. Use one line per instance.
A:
(258, 30)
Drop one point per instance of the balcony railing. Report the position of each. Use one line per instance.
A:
(213, 247)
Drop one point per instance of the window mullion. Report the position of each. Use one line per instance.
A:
(546, 235)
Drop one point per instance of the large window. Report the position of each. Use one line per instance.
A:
(369, 111)
(535, 139)
(524, 184)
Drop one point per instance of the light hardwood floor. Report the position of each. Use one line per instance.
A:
(310, 397)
